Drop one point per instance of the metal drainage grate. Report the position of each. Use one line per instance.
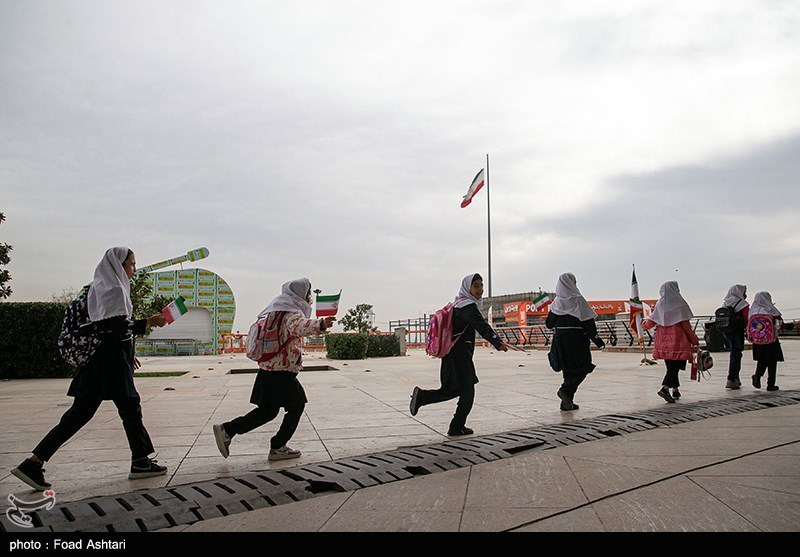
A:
(144, 511)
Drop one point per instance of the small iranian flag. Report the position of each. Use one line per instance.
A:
(175, 309)
(328, 305)
(541, 300)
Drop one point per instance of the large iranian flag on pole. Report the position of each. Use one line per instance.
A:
(175, 309)
(474, 187)
(328, 305)
(637, 309)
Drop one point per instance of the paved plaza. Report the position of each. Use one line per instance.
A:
(717, 460)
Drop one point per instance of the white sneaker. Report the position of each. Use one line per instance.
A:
(284, 453)
(223, 440)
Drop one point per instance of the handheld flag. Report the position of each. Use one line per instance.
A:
(474, 187)
(175, 309)
(541, 301)
(637, 309)
(328, 305)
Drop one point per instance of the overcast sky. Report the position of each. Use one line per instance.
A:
(335, 140)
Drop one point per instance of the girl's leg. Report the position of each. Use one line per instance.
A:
(772, 375)
(78, 415)
(437, 395)
(130, 411)
(761, 367)
(250, 421)
(288, 426)
(466, 398)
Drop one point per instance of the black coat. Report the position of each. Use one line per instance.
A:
(572, 343)
(457, 367)
(108, 375)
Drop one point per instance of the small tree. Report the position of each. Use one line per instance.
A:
(144, 302)
(66, 295)
(358, 319)
(5, 276)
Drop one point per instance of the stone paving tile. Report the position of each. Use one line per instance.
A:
(758, 505)
(656, 508)
(539, 479)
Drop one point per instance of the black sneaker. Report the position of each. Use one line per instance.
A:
(459, 431)
(566, 401)
(664, 393)
(413, 407)
(756, 381)
(676, 394)
(146, 468)
(32, 474)
(565, 409)
(773, 388)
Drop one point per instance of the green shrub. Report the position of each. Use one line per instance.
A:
(29, 340)
(346, 346)
(381, 346)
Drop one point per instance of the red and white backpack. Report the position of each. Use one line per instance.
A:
(264, 337)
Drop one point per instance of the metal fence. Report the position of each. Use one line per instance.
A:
(172, 347)
(613, 332)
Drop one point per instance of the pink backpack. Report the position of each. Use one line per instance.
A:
(761, 329)
(439, 338)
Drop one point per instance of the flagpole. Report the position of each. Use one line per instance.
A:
(489, 225)
(645, 360)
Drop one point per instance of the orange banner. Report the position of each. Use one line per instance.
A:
(514, 311)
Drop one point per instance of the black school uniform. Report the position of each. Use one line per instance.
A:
(457, 372)
(572, 339)
(108, 375)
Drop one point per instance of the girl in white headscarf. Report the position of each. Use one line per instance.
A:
(675, 341)
(457, 371)
(734, 339)
(767, 356)
(108, 375)
(277, 386)
(573, 322)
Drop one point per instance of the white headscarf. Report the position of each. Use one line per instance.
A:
(464, 292)
(292, 298)
(110, 292)
(762, 305)
(569, 300)
(671, 308)
(735, 297)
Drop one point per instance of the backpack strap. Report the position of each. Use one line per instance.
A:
(456, 337)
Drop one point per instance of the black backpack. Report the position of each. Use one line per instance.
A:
(76, 344)
(725, 319)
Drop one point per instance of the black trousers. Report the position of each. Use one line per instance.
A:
(79, 414)
(466, 398)
(771, 368)
(570, 381)
(671, 377)
(266, 413)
